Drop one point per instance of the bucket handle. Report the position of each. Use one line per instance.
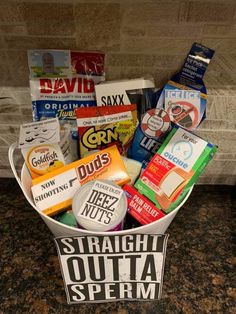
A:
(11, 151)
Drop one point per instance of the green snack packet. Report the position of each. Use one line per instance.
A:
(68, 219)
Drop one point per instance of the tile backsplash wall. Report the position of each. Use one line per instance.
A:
(140, 38)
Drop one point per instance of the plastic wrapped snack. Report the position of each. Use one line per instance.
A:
(101, 127)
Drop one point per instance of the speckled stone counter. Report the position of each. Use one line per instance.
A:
(200, 263)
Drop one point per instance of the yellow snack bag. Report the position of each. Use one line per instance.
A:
(101, 127)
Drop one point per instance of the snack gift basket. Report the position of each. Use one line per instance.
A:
(158, 137)
(58, 229)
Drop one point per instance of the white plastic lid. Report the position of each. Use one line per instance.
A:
(93, 217)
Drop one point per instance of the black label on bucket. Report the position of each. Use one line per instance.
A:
(111, 268)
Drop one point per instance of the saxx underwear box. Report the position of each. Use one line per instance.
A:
(125, 92)
(175, 168)
(120, 92)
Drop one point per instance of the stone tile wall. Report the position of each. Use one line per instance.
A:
(149, 37)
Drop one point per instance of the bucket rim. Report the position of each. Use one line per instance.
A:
(84, 231)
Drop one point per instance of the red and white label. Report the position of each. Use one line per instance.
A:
(140, 207)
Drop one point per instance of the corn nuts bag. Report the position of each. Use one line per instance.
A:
(102, 127)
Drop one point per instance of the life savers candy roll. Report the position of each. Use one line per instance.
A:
(100, 205)
(149, 135)
(54, 191)
(155, 123)
(140, 208)
(101, 127)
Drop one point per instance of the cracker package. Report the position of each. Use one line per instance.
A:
(101, 127)
(42, 148)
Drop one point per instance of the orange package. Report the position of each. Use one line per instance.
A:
(54, 191)
(102, 127)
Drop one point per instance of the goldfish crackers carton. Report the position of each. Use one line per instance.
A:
(40, 146)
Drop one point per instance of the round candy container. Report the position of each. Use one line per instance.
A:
(100, 205)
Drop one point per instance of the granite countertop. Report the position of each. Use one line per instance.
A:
(199, 272)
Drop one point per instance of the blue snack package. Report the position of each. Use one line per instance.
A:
(149, 135)
(63, 80)
(184, 96)
(59, 97)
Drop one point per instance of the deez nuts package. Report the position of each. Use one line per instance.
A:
(101, 127)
